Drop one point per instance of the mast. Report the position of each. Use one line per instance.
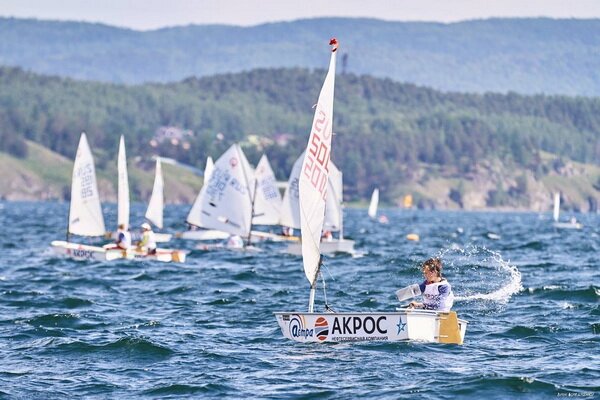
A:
(252, 212)
(251, 196)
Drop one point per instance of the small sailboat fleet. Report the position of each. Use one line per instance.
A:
(571, 224)
(85, 213)
(329, 326)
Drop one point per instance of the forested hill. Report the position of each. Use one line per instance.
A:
(523, 55)
(388, 135)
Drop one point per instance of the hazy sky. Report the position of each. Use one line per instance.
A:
(151, 14)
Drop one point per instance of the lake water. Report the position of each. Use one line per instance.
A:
(205, 329)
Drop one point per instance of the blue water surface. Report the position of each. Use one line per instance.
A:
(205, 329)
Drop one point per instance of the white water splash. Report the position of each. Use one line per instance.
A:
(484, 265)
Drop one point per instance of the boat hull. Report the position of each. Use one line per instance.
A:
(328, 247)
(403, 325)
(567, 225)
(203, 234)
(84, 252)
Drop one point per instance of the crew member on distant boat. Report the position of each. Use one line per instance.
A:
(123, 237)
(327, 236)
(148, 243)
(437, 292)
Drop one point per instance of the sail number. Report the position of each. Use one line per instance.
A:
(86, 177)
(316, 164)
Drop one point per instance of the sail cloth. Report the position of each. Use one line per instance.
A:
(267, 201)
(154, 213)
(556, 211)
(193, 217)
(123, 186)
(333, 205)
(290, 208)
(314, 175)
(225, 199)
(85, 213)
(374, 203)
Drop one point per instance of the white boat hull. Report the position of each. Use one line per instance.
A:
(136, 236)
(567, 225)
(203, 234)
(328, 247)
(84, 252)
(403, 325)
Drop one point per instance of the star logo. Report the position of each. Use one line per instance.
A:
(401, 326)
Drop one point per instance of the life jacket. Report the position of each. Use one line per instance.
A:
(437, 296)
(123, 239)
(148, 240)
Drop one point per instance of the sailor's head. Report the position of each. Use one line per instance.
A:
(122, 227)
(146, 226)
(432, 268)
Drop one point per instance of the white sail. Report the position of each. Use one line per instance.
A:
(556, 206)
(290, 208)
(154, 213)
(374, 203)
(225, 199)
(193, 217)
(314, 178)
(85, 214)
(333, 205)
(123, 186)
(267, 201)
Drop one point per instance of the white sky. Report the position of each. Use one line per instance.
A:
(152, 14)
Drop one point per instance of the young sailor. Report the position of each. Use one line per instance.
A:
(123, 237)
(437, 292)
(148, 242)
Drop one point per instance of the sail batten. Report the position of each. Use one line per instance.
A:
(85, 213)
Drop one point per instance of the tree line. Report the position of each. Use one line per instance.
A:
(383, 129)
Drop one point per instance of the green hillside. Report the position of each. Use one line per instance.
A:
(387, 134)
(45, 175)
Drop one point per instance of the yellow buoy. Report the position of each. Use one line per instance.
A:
(413, 236)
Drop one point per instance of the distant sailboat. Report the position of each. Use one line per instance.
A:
(225, 201)
(85, 211)
(155, 210)
(572, 224)
(193, 218)
(331, 326)
(372, 212)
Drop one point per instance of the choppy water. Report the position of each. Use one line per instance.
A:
(136, 329)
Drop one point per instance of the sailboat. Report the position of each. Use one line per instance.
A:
(572, 224)
(155, 210)
(329, 326)
(334, 214)
(225, 202)
(193, 216)
(85, 211)
(268, 203)
(372, 212)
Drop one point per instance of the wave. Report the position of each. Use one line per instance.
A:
(475, 260)
(132, 346)
(559, 292)
(182, 389)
